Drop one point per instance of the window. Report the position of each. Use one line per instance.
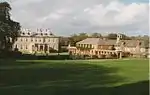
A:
(49, 40)
(26, 39)
(35, 40)
(51, 34)
(140, 43)
(26, 47)
(31, 40)
(28, 33)
(78, 45)
(39, 40)
(21, 47)
(96, 52)
(46, 34)
(44, 40)
(90, 46)
(16, 46)
(23, 33)
(21, 40)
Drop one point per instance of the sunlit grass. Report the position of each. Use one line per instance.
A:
(55, 76)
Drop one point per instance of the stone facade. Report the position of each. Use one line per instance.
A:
(102, 47)
(36, 42)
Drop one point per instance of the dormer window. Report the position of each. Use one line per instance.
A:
(28, 33)
(51, 34)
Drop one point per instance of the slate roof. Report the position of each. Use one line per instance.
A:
(100, 41)
(93, 41)
(133, 43)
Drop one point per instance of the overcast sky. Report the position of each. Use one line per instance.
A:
(66, 17)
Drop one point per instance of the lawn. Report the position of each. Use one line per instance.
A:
(74, 77)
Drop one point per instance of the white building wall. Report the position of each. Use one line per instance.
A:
(24, 44)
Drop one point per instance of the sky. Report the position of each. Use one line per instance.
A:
(67, 17)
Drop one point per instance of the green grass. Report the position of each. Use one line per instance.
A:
(74, 77)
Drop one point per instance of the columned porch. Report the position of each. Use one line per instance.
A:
(41, 48)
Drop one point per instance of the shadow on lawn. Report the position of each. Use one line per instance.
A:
(65, 79)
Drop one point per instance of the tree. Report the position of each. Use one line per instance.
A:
(76, 38)
(146, 40)
(4, 11)
(9, 29)
(112, 36)
(96, 35)
(125, 37)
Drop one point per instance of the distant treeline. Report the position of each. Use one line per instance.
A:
(73, 39)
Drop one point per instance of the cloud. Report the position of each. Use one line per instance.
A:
(25, 2)
(58, 14)
(117, 14)
(75, 16)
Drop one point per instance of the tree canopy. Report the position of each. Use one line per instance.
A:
(76, 38)
(9, 29)
(96, 35)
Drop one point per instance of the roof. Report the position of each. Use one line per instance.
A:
(94, 41)
(100, 41)
(132, 43)
(106, 42)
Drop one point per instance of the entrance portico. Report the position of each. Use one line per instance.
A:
(42, 48)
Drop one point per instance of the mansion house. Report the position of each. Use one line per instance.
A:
(104, 47)
(36, 42)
